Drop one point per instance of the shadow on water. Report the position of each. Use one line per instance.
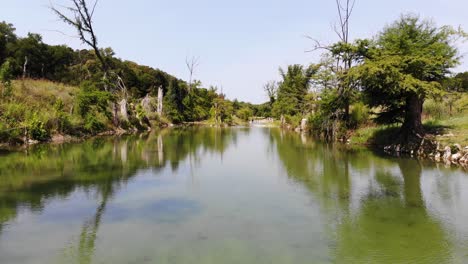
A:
(99, 166)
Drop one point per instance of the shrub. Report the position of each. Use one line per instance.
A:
(92, 124)
(245, 113)
(38, 130)
(6, 75)
(359, 115)
(292, 120)
(315, 122)
(90, 98)
(434, 109)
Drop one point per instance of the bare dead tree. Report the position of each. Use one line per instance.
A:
(80, 16)
(191, 63)
(271, 88)
(343, 58)
(25, 67)
(345, 10)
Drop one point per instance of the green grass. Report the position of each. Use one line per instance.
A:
(450, 131)
(447, 131)
(44, 103)
(373, 135)
(448, 125)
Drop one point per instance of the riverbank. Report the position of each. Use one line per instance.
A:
(446, 140)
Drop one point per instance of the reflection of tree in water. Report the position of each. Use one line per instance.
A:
(89, 231)
(102, 165)
(319, 167)
(393, 226)
(390, 223)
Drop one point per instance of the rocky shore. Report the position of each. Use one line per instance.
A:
(433, 150)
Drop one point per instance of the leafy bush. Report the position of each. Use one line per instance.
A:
(245, 113)
(315, 122)
(38, 130)
(6, 75)
(359, 115)
(292, 120)
(90, 98)
(93, 124)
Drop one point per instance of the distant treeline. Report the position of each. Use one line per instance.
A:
(30, 58)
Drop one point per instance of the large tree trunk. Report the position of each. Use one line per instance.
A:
(412, 126)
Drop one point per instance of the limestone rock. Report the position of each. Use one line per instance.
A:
(456, 157)
(464, 159)
(304, 124)
(447, 154)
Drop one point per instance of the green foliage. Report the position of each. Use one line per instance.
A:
(174, 107)
(93, 124)
(359, 115)
(461, 82)
(222, 111)
(245, 113)
(91, 99)
(6, 75)
(293, 120)
(443, 107)
(292, 90)
(37, 129)
(62, 119)
(407, 61)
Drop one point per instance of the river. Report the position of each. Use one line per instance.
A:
(234, 195)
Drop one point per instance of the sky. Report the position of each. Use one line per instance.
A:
(240, 44)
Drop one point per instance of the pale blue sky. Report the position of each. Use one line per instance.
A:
(240, 43)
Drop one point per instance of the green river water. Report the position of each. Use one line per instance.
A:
(237, 195)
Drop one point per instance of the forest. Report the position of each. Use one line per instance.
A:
(393, 81)
(47, 90)
(396, 88)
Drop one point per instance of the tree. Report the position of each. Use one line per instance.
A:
(174, 101)
(461, 80)
(245, 113)
(7, 38)
(191, 64)
(81, 18)
(222, 110)
(406, 64)
(342, 52)
(6, 76)
(271, 89)
(292, 90)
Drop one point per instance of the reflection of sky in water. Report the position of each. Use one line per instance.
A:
(269, 198)
(168, 210)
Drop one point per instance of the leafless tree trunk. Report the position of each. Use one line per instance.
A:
(345, 9)
(160, 101)
(192, 64)
(81, 18)
(25, 67)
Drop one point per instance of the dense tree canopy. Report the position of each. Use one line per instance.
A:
(77, 67)
(407, 62)
(292, 90)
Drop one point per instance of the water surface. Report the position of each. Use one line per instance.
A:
(240, 195)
